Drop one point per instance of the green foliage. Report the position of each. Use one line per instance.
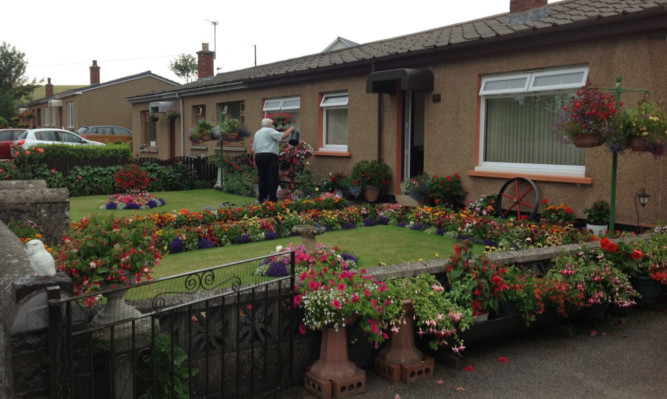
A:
(371, 173)
(598, 213)
(240, 183)
(13, 83)
(89, 180)
(168, 370)
(23, 229)
(184, 66)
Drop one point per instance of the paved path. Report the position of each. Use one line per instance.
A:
(621, 357)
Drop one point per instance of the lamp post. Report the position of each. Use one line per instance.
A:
(642, 197)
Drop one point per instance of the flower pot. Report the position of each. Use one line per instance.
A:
(371, 194)
(597, 229)
(115, 309)
(638, 144)
(587, 140)
(401, 346)
(334, 362)
(647, 287)
(596, 312)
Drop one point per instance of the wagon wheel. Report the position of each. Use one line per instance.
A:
(518, 198)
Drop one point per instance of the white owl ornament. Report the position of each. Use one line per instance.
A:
(41, 260)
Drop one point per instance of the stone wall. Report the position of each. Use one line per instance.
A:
(31, 200)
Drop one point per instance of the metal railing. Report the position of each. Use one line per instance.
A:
(219, 332)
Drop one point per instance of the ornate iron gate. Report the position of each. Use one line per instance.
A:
(215, 333)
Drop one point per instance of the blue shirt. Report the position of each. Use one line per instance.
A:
(267, 139)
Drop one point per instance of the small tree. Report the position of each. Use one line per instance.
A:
(184, 66)
(13, 84)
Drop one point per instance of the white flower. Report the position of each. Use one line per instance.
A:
(279, 248)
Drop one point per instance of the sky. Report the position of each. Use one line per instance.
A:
(61, 39)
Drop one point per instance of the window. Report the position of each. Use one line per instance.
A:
(291, 105)
(334, 122)
(517, 115)
(70, 115)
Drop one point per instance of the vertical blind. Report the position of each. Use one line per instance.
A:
(519, 130)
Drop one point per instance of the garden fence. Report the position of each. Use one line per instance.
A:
(215, 333)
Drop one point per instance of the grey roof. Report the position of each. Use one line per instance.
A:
(96, 86)
(558, 16)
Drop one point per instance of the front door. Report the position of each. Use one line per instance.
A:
(413, 133)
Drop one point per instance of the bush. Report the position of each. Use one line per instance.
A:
(132, 177)
(89, 180)
(240, 183)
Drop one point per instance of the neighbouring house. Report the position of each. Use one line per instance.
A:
(97, 104)
(475, 98)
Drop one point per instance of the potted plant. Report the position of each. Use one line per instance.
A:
(598, 281)
(597, 217)
(475, 282)
(372, 176)
(417, 188)
(589, 118)
(643, 128)
(445, 190)
(560, 213)
(203, 130)
(643, 260)
(334, 182)
(281, 119)
(522, 295)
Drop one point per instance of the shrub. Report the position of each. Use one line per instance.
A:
(240, 183)
(132, 177)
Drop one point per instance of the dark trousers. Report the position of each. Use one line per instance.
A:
(267, 168)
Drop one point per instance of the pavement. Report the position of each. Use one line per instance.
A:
(622, 356)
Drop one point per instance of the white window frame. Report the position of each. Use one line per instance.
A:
(333, 101)
(281, 104)
(47, 117)
(70, 115)
(530, 87)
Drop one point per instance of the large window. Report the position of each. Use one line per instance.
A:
(334, 123)
(291, 105)
(517, 117)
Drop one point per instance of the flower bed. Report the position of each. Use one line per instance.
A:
(142, 200)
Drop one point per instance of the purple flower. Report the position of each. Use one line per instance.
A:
(111, 205)
(271, 235)
(383, 219)
(177, 246)
(205, 243)
(242, 239)
(277, 269)
(132, 205)
(348, 226)
(152, 203)
(370, 222)
(348, 256)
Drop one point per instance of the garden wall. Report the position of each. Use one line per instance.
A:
(31, 200)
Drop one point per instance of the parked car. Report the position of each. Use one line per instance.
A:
(7, 138)
(35, 137)
(106, 134)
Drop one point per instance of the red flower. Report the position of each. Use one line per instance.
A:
(636, 254)
(469, 368)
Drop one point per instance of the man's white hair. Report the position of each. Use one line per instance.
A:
(267, 122)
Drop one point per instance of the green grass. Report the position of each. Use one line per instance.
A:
(192, 200)
(372, 245)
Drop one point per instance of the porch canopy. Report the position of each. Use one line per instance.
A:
(417, 79)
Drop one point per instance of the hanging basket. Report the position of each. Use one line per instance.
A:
(586, 140)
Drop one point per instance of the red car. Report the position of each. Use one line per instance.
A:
(7, 138)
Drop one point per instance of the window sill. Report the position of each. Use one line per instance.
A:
(332, 153)
(536, 177)
(231, 148)
(147, 150)
(199, 147)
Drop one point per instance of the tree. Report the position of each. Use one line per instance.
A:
(184, 66)
(13, 83)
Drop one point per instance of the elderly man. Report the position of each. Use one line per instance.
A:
(266, 146)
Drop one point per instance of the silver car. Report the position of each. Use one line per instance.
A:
(37, 137)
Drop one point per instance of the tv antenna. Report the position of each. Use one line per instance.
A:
(215, 36)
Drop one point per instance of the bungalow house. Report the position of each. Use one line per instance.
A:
(475, 98)
(96, 104)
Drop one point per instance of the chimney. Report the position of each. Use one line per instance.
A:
(94, 73)
(525, 5)
(49, 88)
(205, 62)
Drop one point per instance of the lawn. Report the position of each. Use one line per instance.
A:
(372, 245)
(192, 200)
